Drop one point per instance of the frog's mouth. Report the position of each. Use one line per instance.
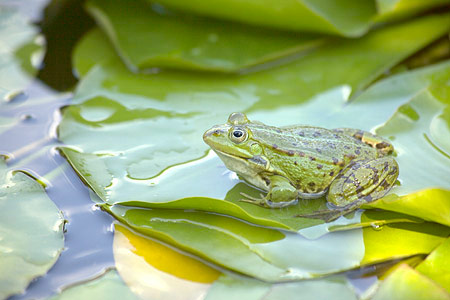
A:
(227, 157)
(230, 156)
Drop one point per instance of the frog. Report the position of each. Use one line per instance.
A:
(348, 166)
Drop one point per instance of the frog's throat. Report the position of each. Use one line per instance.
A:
(259, 160)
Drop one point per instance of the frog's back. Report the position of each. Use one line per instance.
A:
(318, 142)
(311, 157)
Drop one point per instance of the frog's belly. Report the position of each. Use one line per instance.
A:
(255, 180)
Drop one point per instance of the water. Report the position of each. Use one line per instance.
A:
(31, 145)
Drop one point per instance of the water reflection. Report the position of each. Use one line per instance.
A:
(31, 146)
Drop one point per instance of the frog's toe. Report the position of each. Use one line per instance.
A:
(251, 199)
(262, 201)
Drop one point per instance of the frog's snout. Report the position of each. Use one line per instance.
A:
(213, 131)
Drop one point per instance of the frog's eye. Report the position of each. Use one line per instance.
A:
(238, 135)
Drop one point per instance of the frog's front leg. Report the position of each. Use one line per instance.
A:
(383, 145)
(281, 194)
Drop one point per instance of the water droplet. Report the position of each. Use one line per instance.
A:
(14, 95)
(376, 226)
(27, 117)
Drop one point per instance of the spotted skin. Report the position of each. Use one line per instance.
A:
(383, 146)
(365, 180)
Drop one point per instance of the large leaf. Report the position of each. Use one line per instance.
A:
(152, 269)
(348, 18)
(274, 255)
(406, 283)
(31, 231)
(93, 48)
(234, 287)
(422, 121)
(107, 286)
(168, 112)
(146, 39)
(394, 9)
(437, 264)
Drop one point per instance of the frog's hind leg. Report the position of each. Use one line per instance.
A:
(359, 183)
(363, 181)
(383, 145)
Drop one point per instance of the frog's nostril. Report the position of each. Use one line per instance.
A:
(211, 132)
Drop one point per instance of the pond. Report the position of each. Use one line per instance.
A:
(108, 190)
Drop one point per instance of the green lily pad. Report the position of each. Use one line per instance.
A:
(107, 286)
(21, 51)
(93, 48)
(31, 231)
(422, 121)
(145, 39)
(406, 283)
(275, 255)
(417, 239)
(235, 287)
(437, 264)
(147, 266)
(238, 287)
(348, 18)
(394, 9)
(158, 164)
(428, 204)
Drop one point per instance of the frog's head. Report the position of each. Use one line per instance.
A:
(234, 140)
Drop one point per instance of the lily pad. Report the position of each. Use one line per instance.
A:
(437, 264)
(274, 255)
(107, 286)
(406, 283)
(238, 287)
(348, 18)
(395, 9)
(93, 48)
(31, 231)
(424, 121)
(145, 38)
(167, 113)
(21, 51)
(150, 268)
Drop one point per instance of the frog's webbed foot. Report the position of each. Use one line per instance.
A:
(265, 202)
(262, 201)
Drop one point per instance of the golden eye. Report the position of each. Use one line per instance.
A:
(238, 135)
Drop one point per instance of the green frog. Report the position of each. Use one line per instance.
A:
(349, 166)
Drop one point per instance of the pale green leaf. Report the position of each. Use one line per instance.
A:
(107, 286)
(31, 231)
(406, 283)
(437, 264)
(144, 39)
